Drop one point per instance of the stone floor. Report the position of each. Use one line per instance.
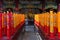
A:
(29, 33)
(29, 36)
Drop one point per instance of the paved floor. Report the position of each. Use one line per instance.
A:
(30, 33)
(30, 36)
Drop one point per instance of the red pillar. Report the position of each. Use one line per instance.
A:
(11, 22)
(0, 25)
(8, 27)
(52, 36)
(4, 23)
